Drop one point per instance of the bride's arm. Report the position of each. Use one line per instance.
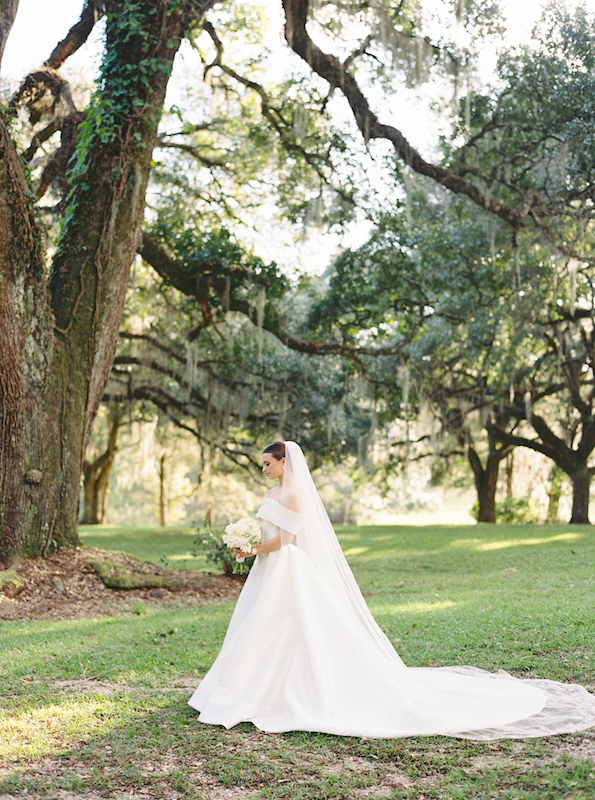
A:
(293, 502)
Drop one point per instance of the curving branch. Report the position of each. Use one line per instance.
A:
(185, 279)
(356, 354)
(40, 138)
(508, 438)
(156, 366)
(174, 409)
(155, 342)
(211, 163)
(197, 282)
(338, 76)
(162, 400)
(76, 37)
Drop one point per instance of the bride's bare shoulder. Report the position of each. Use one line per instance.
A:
(292, 499)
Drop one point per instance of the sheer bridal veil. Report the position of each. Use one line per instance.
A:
(317, 539)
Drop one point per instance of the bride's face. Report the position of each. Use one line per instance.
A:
(272, 467)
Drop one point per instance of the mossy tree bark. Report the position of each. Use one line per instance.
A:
(59, 334)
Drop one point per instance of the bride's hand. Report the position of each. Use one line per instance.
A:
(240, 553)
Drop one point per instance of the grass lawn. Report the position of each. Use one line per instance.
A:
(97, 707)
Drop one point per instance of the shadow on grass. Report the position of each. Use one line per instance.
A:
(147, 649)
(156, 748)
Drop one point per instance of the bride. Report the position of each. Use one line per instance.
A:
(303, 652)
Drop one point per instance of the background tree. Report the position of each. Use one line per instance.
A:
(230, 384)
(519, 149)
(96, 472)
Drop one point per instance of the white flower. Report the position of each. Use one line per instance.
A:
(244, 534)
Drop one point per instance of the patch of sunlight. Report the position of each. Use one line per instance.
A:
(561, 537)
(52, 727)
(355, 551)
(43, 627)
(477, 544)
(415, 608)
(99, 528)
(179, 557)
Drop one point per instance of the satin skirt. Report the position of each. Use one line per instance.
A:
(294, 659)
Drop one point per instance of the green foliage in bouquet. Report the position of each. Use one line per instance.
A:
(210, 543)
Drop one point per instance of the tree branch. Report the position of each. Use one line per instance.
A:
(155, 342)
(336, 74)
(331, 69)
(155, 366)
(561, 459)
(186, 282)
(166, 402)
(185, 279)
(267, 112)
(40, 138)
(187, 148)
(79, 33)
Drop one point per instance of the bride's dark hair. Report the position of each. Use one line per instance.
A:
(276, 449)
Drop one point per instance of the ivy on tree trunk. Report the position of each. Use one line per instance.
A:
(59, 332)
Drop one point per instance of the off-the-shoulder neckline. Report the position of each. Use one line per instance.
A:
(274, 501)
(282, 506)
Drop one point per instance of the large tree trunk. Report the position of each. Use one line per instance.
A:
(31, 455)
(486, 497)
(581, 486)
(58, 346)
(486, 480)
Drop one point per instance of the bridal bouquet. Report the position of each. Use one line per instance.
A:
(244, 534)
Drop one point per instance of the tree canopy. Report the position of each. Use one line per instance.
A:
(497, 221)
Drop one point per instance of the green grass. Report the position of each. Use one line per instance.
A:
(100, 704)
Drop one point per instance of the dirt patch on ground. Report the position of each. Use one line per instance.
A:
(156, 777)
(578, 748)
(64, 586)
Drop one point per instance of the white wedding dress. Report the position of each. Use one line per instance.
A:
(304, 653)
